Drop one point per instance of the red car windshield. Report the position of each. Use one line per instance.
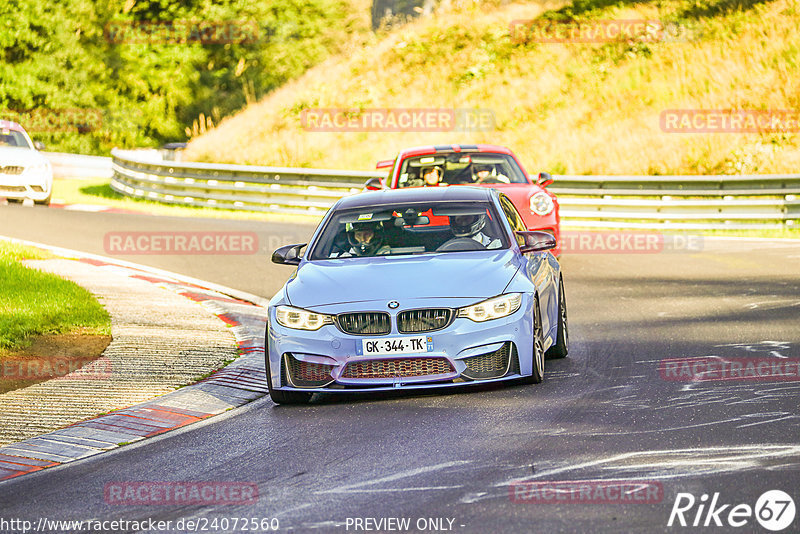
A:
(459, 169)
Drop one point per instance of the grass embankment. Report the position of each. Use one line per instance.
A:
(44, 319)
(564, 108)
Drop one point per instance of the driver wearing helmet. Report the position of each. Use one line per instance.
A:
(485, 172)
(365, 239)
(471, 227)
(432, 176)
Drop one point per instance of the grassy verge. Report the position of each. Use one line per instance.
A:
(34, 303)
(98, 192)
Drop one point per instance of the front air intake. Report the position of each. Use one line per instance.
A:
(490, 365)
(397, 368)
(306, 374)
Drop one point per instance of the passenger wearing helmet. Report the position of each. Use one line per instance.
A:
(365, 239)
(432, 176)
(471, 227)
(486, 173)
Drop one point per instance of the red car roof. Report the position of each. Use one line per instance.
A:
(432, 149)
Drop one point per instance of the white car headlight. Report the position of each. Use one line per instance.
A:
(541, 203)
(38, 168)
(300, 319)
(493, 308)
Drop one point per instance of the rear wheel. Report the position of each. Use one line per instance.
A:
(14, 200)
(277, 396)
(560, 349)
(45, 202)
(537, 367)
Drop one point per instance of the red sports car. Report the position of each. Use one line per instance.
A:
(477, 165)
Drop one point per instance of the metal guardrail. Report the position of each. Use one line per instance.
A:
(679, 202)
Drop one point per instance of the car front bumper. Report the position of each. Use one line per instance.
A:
(463, 353)
(34, 185)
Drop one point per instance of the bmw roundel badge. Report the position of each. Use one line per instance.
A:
(394, 304)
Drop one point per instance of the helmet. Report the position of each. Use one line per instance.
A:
(478, 168)
(467, 225)
(365, 237)
(426, 170)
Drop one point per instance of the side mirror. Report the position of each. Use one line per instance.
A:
(537, 241)
(544, 179)
(38, 145)
(374, 184)
(384, 164)
(288, 255)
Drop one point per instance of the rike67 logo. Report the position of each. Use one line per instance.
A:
(774, 510)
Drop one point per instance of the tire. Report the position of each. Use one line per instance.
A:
(561, 348)
(537, 369)
(45, 202)
(277, 396)
(14, 200)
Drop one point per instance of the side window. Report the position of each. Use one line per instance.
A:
(514, 218)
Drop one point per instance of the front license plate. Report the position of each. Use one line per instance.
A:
(396, 345)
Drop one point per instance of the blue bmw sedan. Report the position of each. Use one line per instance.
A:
(413, 289)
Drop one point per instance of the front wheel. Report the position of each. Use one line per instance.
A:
(537, 368)
(277, 396)
(560, 349)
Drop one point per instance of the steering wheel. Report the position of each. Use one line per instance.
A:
(460, 244)
(490, 180)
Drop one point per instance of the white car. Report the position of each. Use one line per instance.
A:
(24, 172)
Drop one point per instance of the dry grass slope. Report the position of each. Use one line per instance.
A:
(565, 108)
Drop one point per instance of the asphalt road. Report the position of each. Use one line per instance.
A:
(446, 462)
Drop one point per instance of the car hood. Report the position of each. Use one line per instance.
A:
(473, 275)
(17, 156)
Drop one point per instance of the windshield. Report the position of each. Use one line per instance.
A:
(458, 169)
(433, 227)
(13, 138)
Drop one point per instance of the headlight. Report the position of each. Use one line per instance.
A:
(541, 203)
(493, 308)
(39, 167)
(300, 319)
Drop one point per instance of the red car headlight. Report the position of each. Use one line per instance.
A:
(541, 203)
